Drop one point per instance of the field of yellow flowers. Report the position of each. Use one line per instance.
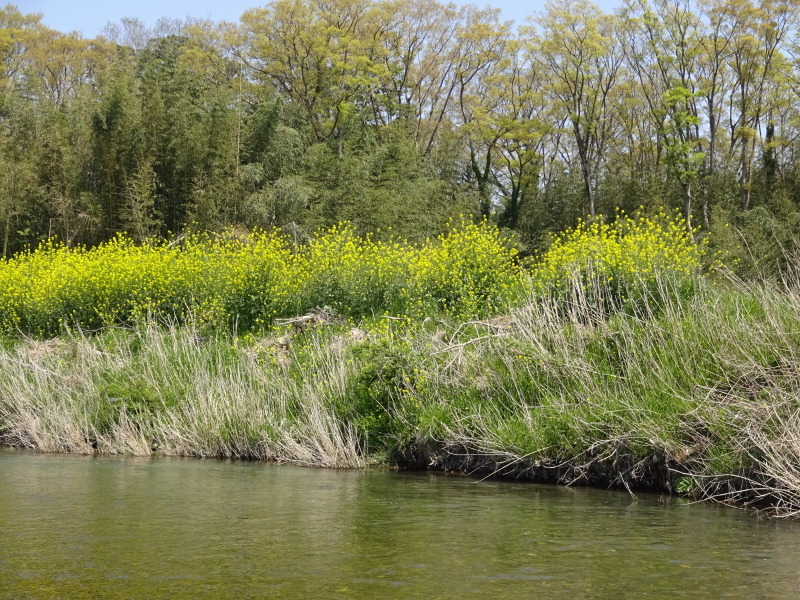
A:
(246, 282)
(623, 264)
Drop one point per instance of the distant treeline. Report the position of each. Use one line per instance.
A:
(404, 114)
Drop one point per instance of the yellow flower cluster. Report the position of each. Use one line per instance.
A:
(121, 282)
(620, 261)
(468, 270)
(248, 281)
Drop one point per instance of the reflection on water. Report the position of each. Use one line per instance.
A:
(81, 527)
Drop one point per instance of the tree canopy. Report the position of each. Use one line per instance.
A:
(404, 114)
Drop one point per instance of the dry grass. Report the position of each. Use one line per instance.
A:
(178, 396)
(700, 394)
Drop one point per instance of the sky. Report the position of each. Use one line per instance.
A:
(90, 16)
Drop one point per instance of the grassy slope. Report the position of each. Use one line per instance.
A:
(700, 395)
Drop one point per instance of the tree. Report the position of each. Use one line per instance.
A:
(17, 31)
(506, 119)
(681, 144)
(137, 216)
(578, 51)
(663, 44)
(18, 188)
(322, 55)
(755, 53)
(435, 53)
(115, 123)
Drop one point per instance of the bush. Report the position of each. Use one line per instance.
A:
(469, 271)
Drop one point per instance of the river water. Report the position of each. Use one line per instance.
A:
(83, 527)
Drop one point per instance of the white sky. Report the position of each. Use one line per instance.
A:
(90, 16)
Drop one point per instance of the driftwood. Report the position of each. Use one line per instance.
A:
(319, 316)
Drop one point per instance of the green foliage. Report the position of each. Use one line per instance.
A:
(756, 243)
(681, 146)
(683, 485)
(127, 394)
(375, 390)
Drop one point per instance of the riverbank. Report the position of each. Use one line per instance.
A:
(697, 395)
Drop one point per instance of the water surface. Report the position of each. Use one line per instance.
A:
(83, 527)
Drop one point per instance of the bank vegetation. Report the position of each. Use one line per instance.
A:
(626, 356)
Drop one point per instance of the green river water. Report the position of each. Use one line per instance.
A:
(82, 527)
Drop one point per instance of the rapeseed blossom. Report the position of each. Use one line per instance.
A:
(626, 262)
(248, 281)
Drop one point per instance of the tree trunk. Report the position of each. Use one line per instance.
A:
(510, 216)
(744, 179)
(5, 236)
(687, 207)
(770, 162)
(712, 157)
(586, 171)
(482, 179)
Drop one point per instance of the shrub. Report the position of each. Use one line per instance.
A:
(470, 270)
